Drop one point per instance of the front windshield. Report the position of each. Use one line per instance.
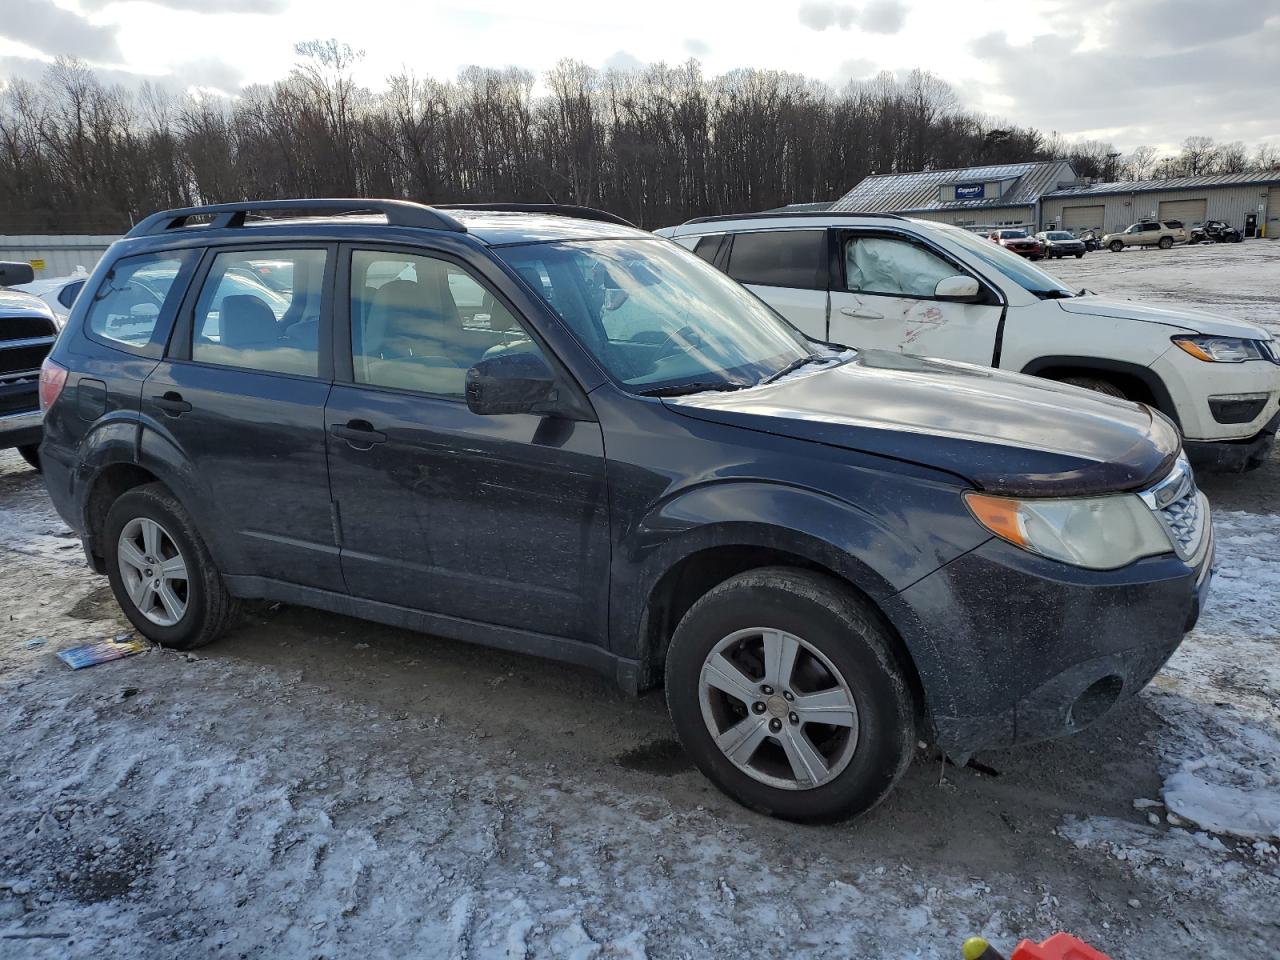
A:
(1012, 234)
(1018, 269)
(657, 317)
(1059, 235)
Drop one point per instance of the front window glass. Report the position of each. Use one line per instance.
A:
(1013, 234)
(894, 267)
(656, 316)
(1018, 269)
(1059, 235)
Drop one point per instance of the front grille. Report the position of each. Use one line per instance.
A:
(24, 328)
(26, 357)
(1181, 509)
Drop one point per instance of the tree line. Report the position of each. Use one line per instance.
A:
(656, 145)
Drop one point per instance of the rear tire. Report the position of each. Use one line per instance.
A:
(161, 572)
(31, 453)
(1097, 385)
(1166, 243)
(756, 744)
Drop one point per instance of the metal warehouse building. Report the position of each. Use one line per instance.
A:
(1250, 201)
(1043, 195)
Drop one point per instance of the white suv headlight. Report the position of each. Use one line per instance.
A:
(1100, 533)
(1221, 349)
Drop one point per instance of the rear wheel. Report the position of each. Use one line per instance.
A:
(1166, 243)
(1097, 385)
(31, 453)
(161, 572)
(785, 690)
(1116, 246)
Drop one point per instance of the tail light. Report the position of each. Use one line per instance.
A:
(53, 377)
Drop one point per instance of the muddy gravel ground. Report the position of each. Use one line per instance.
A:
(314, 786)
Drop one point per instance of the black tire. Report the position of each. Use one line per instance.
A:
(210, 609)
(30, 452)
(1116, 246)
(1166, 243)
(848, 632)
(1079, 255)
(1097, 385)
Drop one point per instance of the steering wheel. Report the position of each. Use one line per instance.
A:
(669, 347)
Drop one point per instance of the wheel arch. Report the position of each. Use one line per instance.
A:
(1139, 383)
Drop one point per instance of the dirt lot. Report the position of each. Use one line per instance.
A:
(314, 786)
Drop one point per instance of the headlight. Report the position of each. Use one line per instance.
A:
(1221, 349)
(1100, 533)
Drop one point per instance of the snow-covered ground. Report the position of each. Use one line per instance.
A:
(314, 786)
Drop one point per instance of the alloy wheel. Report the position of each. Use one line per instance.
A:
(153, 571)
(778, 709)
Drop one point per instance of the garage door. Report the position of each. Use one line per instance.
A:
(1273, 213)
(1190, 212)
(1079, 219)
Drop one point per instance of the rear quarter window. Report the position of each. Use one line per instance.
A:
(134, 295)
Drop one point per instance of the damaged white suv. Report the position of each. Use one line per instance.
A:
(918, 287)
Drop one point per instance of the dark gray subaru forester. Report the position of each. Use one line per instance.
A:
(544, 430)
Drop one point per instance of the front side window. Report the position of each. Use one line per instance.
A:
(894, 267)
(656, 316)
(133, 295)
(1018, 269)
(242, 321)
(780, 258)
(67, 295)
(419, 323)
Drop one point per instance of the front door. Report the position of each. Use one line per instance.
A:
(241, 393)
(492, 519)
(884, 298)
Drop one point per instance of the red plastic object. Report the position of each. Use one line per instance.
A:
(1061, 946)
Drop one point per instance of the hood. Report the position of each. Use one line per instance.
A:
(1002, 432)
(14, 303)
(1197, 321)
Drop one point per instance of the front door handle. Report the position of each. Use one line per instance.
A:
(171, 403)
(358, 433)
(864, 314)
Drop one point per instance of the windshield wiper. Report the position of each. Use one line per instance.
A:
(796, 365)
(697, 386)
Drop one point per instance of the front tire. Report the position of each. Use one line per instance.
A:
(1079, 255)
(161, 572)
(1116, 246)
(787, 692)
(30, 452)
(1097, 385)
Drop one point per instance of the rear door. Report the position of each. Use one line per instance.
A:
(491, 519)
(883, 297)
(240, 397)
(787, 269)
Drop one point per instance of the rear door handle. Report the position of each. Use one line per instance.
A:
(171, 403)
(358, 433)
(864, 314)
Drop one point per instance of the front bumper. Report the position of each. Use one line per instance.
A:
(20, 429)
(1234, 456)
(1191, 383)
(1014, 648)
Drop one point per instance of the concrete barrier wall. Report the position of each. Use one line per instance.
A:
(61, 254)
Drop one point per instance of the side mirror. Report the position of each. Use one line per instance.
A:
(511, 383)
(959, 289)
(14, 273)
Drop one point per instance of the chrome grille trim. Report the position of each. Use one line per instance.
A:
(1182, 510)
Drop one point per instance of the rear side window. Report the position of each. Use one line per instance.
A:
(708, 247)
(241, 320)
(780, 258)
(134, 294)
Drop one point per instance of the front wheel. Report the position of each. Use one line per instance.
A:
(1079, 255)
(1097, 385)
(786, 691)
(161, 572)
(1116, 246)
(30, 452)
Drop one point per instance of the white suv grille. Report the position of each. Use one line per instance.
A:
(1181, 508)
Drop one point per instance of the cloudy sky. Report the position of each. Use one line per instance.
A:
(1131, 71)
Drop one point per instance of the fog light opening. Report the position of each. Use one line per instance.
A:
(1097, 699)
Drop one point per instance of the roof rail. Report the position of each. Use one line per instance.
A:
(400, 213)
(780, 214)
(555, 209)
